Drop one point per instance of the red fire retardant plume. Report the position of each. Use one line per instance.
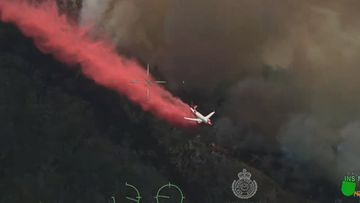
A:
(99, 61)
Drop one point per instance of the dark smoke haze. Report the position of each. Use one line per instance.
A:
(287, 69)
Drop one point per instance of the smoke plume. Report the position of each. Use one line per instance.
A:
(286, 71)
(53, 34)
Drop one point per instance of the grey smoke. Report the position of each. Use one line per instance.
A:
(306, 104)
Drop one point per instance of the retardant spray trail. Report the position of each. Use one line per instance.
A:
(53, 34)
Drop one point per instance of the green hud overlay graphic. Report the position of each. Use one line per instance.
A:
(165, 194)
(138, 197)
(348, 186)
(169, 188)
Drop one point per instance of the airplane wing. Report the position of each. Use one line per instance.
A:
(193, 119)
(210, 114)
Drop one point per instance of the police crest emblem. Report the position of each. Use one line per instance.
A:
(244, 188)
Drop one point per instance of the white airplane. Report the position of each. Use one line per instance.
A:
(199, 117)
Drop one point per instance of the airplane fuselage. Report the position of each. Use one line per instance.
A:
(201, 117)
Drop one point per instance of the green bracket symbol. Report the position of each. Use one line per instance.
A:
(158, 196)
(138, 197)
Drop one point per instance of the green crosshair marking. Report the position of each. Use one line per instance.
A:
(169, 185)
